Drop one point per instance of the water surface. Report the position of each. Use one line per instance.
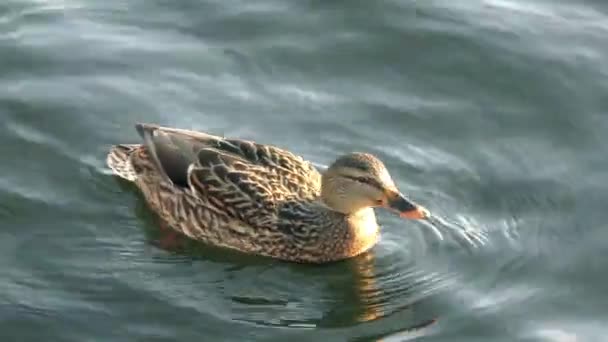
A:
(490, 113)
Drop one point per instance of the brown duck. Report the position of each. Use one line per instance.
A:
(260, 199)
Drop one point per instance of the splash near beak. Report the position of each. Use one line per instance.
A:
(406, 208)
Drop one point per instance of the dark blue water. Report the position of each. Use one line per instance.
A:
(490, 113)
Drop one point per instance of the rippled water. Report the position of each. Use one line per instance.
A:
(490, 113)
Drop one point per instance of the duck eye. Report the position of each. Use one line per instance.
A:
(363, 179)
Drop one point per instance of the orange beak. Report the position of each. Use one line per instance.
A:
(416, 214)
(406, 208)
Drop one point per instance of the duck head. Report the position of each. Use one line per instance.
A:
(358, 181)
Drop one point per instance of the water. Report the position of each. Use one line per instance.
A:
(490, 113)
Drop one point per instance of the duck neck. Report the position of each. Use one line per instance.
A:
(361, 221)
(363, 224)
(347, 235)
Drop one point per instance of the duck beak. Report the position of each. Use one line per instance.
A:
(406, 208)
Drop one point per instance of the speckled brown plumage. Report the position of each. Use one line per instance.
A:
(242, 195)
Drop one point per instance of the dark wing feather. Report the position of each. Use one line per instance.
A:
(172, 153)
(191, 142)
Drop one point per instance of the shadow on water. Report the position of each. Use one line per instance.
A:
(349, 292)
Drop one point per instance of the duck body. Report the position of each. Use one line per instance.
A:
(254, 198)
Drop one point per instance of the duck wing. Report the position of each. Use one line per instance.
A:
(248, 181)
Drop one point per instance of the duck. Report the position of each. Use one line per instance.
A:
(260, 199)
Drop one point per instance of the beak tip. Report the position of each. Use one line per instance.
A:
(416, 214)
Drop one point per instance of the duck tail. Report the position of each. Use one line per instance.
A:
(119, 161)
